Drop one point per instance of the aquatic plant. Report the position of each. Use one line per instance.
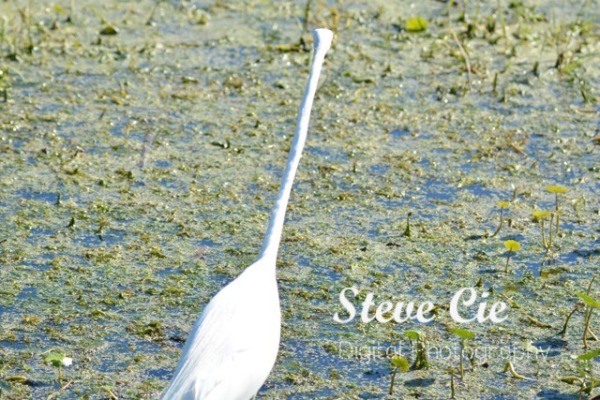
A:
(452, 385)
(556, 189)
(416, 24)
(108, 29)
(399, 363)
(585, 378)
(464, 335)
(512, 246)
(563, 332)
(585, 361)
(540, 216)
(503, 205)
(464, 55)
(407, 229)
(420, 346)
(58, 360)
(4, 80)
(590, 304)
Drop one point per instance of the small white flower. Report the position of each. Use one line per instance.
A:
(67, 361)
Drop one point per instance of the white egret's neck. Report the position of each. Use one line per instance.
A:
(322, 42)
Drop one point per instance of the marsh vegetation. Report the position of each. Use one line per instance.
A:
(141, 145)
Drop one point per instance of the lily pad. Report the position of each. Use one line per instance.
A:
(416, 24)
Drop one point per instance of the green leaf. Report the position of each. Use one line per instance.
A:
(400, 362)
(503, 204)
(588, 300)
(588, 356)
(557, 189)
(58, 9)
(463, 333)
(55, 359)
(416, 24)
(539, 215)
(109, 30)
(512, 245)
(413, 335)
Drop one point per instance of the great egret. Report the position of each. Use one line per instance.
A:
(233, 345)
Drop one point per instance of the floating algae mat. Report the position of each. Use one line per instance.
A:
(443, 234)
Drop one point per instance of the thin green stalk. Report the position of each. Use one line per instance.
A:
(462, 354)
(550, 232)
(588, 317)
(501, 222)
(556, 207)
(543, 235)
(503, 24)
(393, 379)
(563, 332)
(507, 261)
(3, 22)
(306, 16)
(29, 34)
(464, 55)
(495, 85)
(407, 230)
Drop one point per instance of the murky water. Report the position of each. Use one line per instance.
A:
(137, 171)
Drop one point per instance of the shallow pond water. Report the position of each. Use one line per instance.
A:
(141, 147)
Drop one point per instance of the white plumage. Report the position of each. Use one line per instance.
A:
(233, 346)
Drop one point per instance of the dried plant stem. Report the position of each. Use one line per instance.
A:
(509, 367)
(464, 54)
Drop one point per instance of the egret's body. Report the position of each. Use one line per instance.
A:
(233, 345)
